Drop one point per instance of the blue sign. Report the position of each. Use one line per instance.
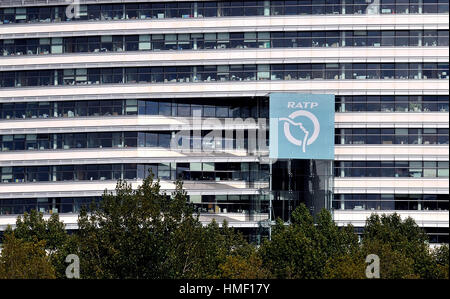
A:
(301, 126)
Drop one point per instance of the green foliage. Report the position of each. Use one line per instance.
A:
(394, 264)
(348, 266)
(242, 267)
(147, 234)
(388, 233)
(210, 247)
(441, 256)
(33, 226)
(22, 259)
(301, 250)
(144, 233)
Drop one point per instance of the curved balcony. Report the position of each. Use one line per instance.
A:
(391, 185)
(226, 24)
(224, 89)
(229, 56)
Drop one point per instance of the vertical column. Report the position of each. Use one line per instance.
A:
(194, 41)
(420, 131)
(267, 8)
(196, 132)
(53, 174)
(173, 171)
(54, 210)
(289, 166)
(55, 77)
(55, 142)
(194, 74)
(55, 109)
(195, 9)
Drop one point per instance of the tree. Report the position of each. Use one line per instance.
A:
(301, 250)
(146, 233)
(240, 267)
(394, 263)
(215, 247)
(441, 257)
(128, 234)
(33, 227)
(22, 259)
(335, 241)
(404, 237)
(348, 266)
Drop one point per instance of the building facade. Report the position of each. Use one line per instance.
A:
(92, 91)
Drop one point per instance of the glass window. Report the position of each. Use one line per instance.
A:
(402, 38)
(144, 42)
(387, 71)
(401, 136)
(373, 71)
(415, 169)
(388, 38)
(430, 38)
(429, 169)
(430, 6)
(415, 38)
(401, 71)
(443, 38)
(443, 169)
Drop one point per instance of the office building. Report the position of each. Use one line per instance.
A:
(96, 90)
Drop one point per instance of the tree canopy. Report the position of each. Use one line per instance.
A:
(148, 234)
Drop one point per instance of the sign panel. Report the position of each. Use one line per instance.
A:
(301, 126)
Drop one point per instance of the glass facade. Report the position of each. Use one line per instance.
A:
(46, 205)
(392, 103)
(437, 234)
(423, 136)
(224, 40)
(397, 169)
(256, 107)
(195, 171)
(301, 181)
(227, 139)
(239, 72)
(400, 202)
(174, 140)
(414, 85)
(254, 207)
(161, 10)
(206, 107)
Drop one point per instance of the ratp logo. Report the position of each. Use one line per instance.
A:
(301, 126)
(307, 139)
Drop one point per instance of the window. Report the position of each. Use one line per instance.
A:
(144, 42)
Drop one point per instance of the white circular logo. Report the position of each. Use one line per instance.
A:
(290, 121)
